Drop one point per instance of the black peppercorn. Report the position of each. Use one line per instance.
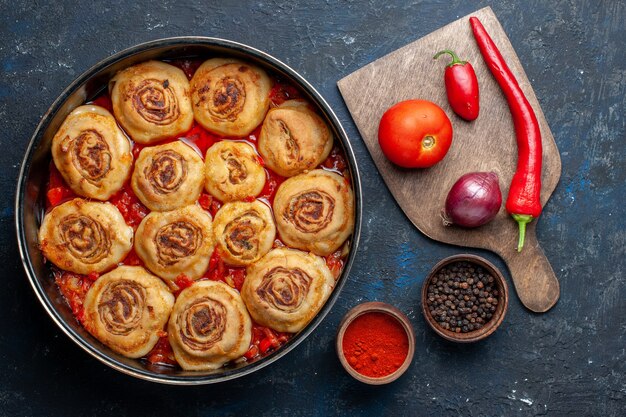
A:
(469, 298)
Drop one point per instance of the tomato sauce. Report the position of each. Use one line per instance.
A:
(104, 101)
(57, 191)
(129, 205)
(132, 259)
(283, 91)
(272, 183)
(74, 287)
(188, 66)
(162, 353)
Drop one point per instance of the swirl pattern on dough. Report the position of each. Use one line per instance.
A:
(151, 101)
(315, 211)
(126, 309)
(286, 288)
(83, 237)
(168, 176)
(230, 97)
(92, 153)
(294, 139)
(244, 232)
(233, 171)
(176, 242)
(87, 238)
(209, 326)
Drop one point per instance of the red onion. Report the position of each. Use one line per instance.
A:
(473, 200)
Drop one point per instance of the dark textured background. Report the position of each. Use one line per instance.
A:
(568, 361)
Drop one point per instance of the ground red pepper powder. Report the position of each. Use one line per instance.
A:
(375, 344)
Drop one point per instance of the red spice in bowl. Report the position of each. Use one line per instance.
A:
(375, 343)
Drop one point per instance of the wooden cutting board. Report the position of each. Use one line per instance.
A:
(486, 144)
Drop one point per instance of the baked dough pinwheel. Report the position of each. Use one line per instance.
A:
(286, 288)
(209, 326)
(176, 242)
(294, 139)
(82, 236)
(315, 211)
(126, 309)
(168, 176)
(230, 97)
(244, 232)
(151, 101)
(92, 153)
(233, 171)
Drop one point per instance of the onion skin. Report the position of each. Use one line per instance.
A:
(473, 200)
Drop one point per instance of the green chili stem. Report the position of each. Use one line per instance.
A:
(455, 59)
(522, 220)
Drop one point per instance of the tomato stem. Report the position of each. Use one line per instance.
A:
(455, 59)
(428, 142)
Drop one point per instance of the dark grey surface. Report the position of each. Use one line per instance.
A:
(568, 361)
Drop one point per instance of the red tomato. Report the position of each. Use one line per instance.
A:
(415, 134)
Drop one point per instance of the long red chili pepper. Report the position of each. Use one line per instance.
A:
(461, 87)
(523, 202)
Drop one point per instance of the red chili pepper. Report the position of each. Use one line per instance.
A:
(461, 87)
(523, 202)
